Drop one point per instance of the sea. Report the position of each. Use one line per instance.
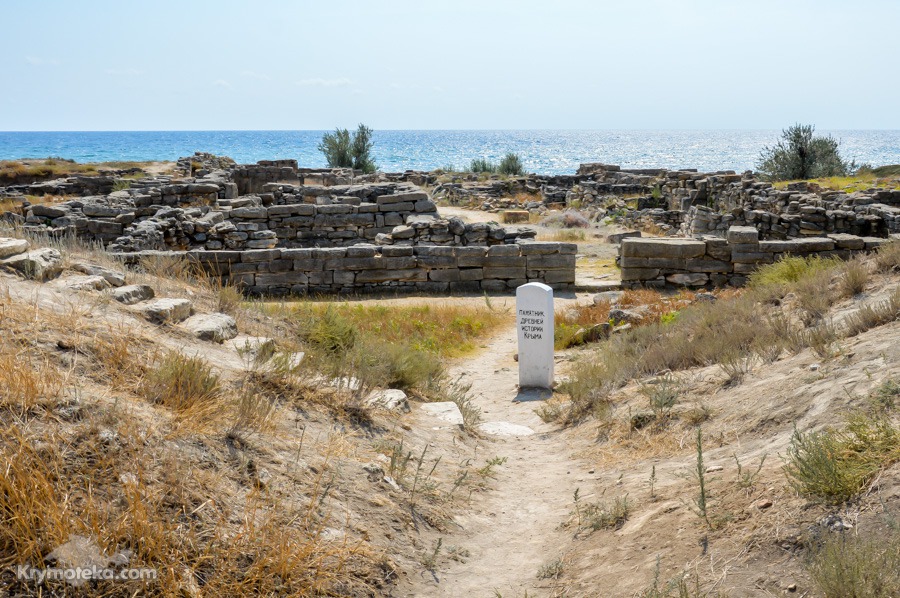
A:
(542, 151)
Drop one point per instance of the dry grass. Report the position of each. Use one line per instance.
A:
(565, 235)
(14, 171)
(446, 330)
(88, 407)
(873, 314)
(653, 307)
(887, 257)
(854, 277)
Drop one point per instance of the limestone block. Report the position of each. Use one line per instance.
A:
(690, 280)
(38, 264)
(215, 327)
(281, 279)
(134, 293)
(538, 248)
(390, 399)
(845, 241)
(662, 248)
(550, 261)
(167, 311)
(11, 247)
(84, 283)
(639, 273)
(378, 276)
(446, 411)
(504, 273)
(742, 234)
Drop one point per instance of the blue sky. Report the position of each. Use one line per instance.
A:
(454, 64)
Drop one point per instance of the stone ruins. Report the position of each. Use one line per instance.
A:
(275, 229)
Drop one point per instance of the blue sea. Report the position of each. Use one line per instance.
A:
(546, 152)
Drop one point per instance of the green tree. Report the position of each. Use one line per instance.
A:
(801, 155)
(511, 164)
(345, 151)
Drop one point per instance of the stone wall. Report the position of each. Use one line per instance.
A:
(251, 178)
(717, 261)
(374, 269)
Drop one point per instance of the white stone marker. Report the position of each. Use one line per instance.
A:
(534, 321)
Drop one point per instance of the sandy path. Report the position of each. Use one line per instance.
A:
(512, 529)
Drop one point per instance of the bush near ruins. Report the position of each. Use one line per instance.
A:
(801, 155)
(482, 165)
(511, 165)
(343, 150)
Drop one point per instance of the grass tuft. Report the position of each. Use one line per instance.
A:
(833, 466)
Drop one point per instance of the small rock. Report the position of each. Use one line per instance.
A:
(40, 264)
(504, 429)
(403, 232)
(134, 293)
(375, 471)
(217, 328)
(814, 367)
(84, 283)
(11, 247)
(617, 237)
(642, 420)
(835, 523)
(168, 311)
(595, 333)
(792, 588)
(625, 316)
(610, 297)
(714, 468)
(114, 278)
(251, 344)
(446, 411)
(390, 482)
(708, 297)
(763, 504)
(391, 399)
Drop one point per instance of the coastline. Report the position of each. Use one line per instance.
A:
(546, 152)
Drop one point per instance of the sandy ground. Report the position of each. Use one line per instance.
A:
(513, 530)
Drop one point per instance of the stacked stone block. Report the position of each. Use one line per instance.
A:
(717, 261)
(370, 268)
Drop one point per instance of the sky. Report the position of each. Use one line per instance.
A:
(448, 64)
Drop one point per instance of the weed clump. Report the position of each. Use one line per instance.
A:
(850, 565)
(833, 466)
(182, 383)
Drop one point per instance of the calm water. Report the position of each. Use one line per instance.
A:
(550, 152)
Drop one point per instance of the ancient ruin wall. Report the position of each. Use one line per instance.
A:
(717, 261)
(373, 269)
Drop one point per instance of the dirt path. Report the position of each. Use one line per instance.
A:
(513, 529)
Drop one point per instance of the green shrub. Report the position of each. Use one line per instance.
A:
(482, 165)
(885, 396)
(833, 466)
(850, 566)
(790, 270)
(511, 164)
(801, 155)
(345, 151)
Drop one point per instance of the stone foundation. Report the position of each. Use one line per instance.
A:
(717, 261)
(373, 269)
